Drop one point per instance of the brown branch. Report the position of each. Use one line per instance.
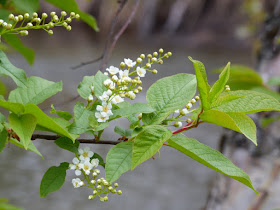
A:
(83, 141)
(109, 38)
(117, 36)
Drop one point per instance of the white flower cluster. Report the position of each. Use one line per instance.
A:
(83, 164)
(124, 82)
(185, 111)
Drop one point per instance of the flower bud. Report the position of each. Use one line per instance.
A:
(93, 181)
(26, 15)
(154, 71)
(189, 105)
(101, 199)
(63, 13)
(149, 56)
(116, 184)
(77, 16)
(68, 20)
(1, 22)
(11, 17)
(99, 187)
(139, 60)
(52, 14)
(140, 88)
(35, 15)
(29, 25)
(193, 101)
(160, 50)
(106, 198)
(55, 18)
(160, 61)
(44, 15)
(148, 65)
(142, 56)
(9, 26)
(227, 89)
(154, 59)
(196, 98)
(94, 192)
(169, 54)
(68, 28)
(90, 98)
(50, 32)
(20, 17)
(122, 64)
(72, 14)
(90, 197)
(119, 192)
(136, 91)
(98, 181)
(188, 120)
(155, 54)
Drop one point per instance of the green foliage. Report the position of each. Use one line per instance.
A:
(243, 78)
(98, 81)
(4, 205)
(7, 69)
(167, 95)
(209, 157)
(219, 85)
(235, 121)
(148, 142)
(67, 144)
(35, 91)
(65, 115)
(11, 106)
(17, 44)
(29, 6)
(122, 131)
(24, 126)
(119, 160)
(249, 102)
(53, 179)
(84, 87)
(134, 109)
(31, 147)
(72, 6)
(202, 83)
(3, 138)
(81, 119)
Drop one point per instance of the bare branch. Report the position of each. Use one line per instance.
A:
(83, 141)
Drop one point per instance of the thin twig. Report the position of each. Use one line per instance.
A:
(109, 38)
(84, 141)
(117, 36)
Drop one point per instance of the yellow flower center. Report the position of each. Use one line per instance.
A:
(86, 167)
(85, 154)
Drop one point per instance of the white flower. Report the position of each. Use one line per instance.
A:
(95, 162)
(90, 98)
(131, 95)
(113, 70)
(105, 73)
(129, 62)
(77, 183)
(189, 105)
(108, 92)
(140, 71)
(180, 124)
(92, 88)
(185, 111)
(108, 83)
(86, 166)
(115, 78)
(85, 153)
(117, 99)
(105, 108)
(177, 111)
(75, 166)
(101, 117)
(123, 74)
(104, 97)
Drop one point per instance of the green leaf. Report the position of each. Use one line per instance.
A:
(274, 81)
(84, 87)
(67, 144)
(53, 179)
(2, 118)
(243, 78)
(3, 139)
(219, 85)
(267, 92)
(209, 157)
(267, 121)
(36, 91)
(250, 102)
(101, 126)
(223, 99)
(13, 107)
(4, 205)
(202, 83)
(122, 132)
(17, 44)
(29, 6)
(47, 122)
(72, 6)
(119, 160)
(169, 94)
(81, 119)
(3, 89)
(31, 146)
(101, 161)
(98, 83)
(134, 109)
(6, 68)
(24, 126)
(148, 142)
(65, 115)
(236, 121)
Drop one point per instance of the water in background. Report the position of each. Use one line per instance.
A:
(172, 182)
